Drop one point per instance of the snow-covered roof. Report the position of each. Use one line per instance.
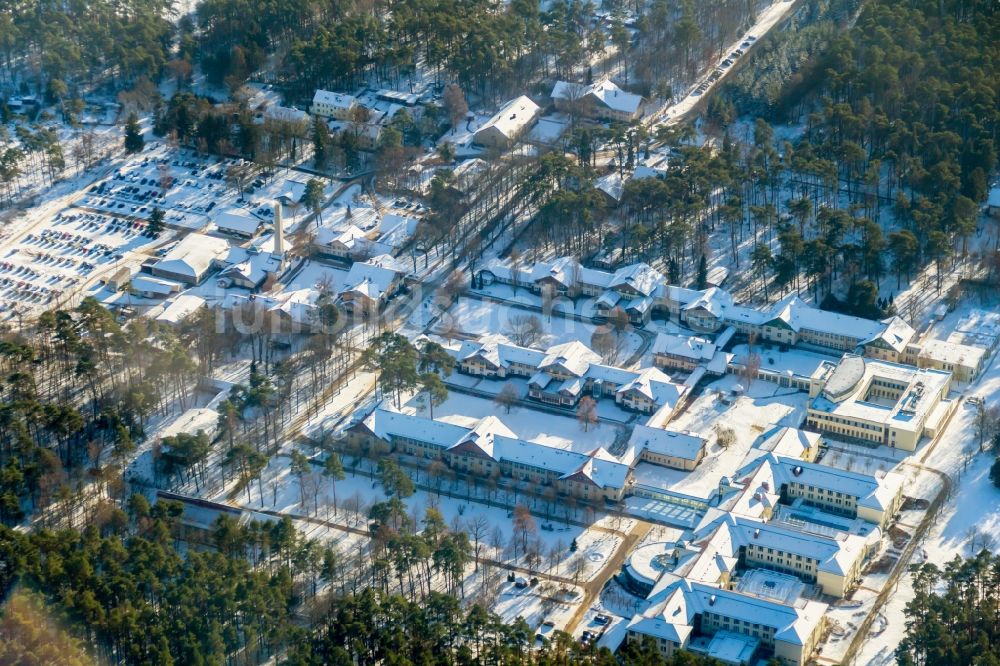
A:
(193, 255)
(181, 308)
(604, 92)
(496, 440)
(836, 555)
(875, 491)
(615, 98)
(665, 442)
(334, 99)
(994, 198)
(611, 184)
(287, 114)
(896, 334)
(574, 356)
(253, 268)
(372, 278)
(846, 388)
(548, 129)
(237, 220)
(512, 117)
(685, 346)
(685, 599)
(346, 236)
(952, 353)
(655, 385)
(148, 284)
(788, 441)
(640, 277)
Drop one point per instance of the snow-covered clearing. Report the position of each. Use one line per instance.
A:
(282, 492)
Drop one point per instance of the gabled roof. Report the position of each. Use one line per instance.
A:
(193, 255)
(685, 346)
(875, 491)
(603, 92)
(512, 117)
(655, 385)
(372, 278)
(574, 356)
(238, 220)
(491, 437)
(713, 300)
(665, 442)
(334, 99)
(346, 236)
(834, 555)
(640, 277)
(615, 98)
(683, 600)
(896, 335)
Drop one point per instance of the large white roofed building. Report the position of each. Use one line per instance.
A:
(328, 104)
(512, 120)
(191, 259)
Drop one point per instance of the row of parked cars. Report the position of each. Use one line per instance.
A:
(725, 64)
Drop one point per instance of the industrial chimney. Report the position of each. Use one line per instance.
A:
(279, 231)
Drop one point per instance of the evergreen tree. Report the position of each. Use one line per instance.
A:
(157, 222)
(133, 134)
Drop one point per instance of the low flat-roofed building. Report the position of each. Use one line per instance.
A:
(965, 362)
(148, 286)
(181, 308)
(667, 448)
(876, 401)
(191, 259)
(237, 222)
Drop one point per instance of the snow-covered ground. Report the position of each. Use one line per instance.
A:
(282, 492)
(970, 517)
(479, 317)
(762, 406)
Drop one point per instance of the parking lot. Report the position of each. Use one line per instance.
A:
(44, 265)
(186, 186)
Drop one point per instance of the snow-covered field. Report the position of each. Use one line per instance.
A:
(282, 492)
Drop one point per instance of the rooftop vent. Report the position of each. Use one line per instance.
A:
(797, 470)
(711, 600)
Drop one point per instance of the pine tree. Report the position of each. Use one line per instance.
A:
(157, 222)
(133, 135)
